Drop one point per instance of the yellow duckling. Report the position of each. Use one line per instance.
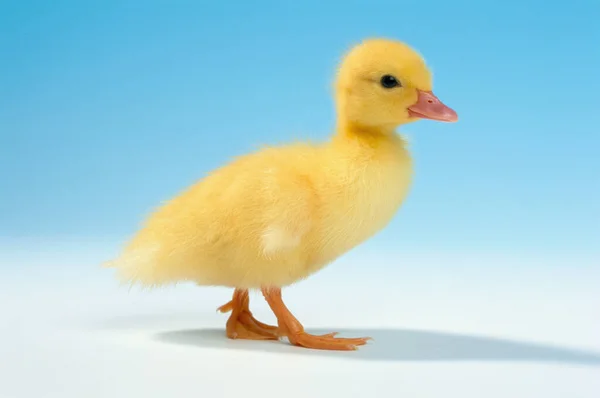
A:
(275, 216)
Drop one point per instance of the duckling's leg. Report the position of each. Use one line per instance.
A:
(241, 324)
(289, 326)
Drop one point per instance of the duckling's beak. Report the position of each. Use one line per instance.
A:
(428, 106)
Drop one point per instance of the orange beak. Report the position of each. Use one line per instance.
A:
(428, 106)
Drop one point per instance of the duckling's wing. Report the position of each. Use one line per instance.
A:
(227, 227)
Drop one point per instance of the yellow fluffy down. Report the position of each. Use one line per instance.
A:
(272, 217)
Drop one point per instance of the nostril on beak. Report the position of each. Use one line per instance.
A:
(430, 101)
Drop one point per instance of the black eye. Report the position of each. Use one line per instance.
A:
(389, 81)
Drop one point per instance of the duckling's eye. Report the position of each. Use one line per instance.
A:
(389, 81)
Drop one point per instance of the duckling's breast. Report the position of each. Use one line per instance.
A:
(364, 189)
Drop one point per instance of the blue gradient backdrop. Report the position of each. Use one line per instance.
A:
(107, 108)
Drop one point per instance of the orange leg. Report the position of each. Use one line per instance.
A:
(289, 326)
(241, 324)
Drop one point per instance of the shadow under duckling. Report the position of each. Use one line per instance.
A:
(273, 217)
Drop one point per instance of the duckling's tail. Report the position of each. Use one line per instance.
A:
(138, 267)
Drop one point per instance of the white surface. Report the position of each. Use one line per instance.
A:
(444, 326)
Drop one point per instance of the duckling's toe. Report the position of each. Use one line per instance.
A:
(242, 324)
(327, 342)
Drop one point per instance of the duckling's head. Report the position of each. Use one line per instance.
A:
(384, 83)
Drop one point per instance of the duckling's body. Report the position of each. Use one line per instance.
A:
(278, 215)
(273, 217)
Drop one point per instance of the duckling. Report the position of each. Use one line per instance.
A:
(273, 217)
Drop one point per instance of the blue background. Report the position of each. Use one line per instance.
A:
(108, 108)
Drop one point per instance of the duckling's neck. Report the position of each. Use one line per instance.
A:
(352, 132)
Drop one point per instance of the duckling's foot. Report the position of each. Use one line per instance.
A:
(289, 326)
(241, 324)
